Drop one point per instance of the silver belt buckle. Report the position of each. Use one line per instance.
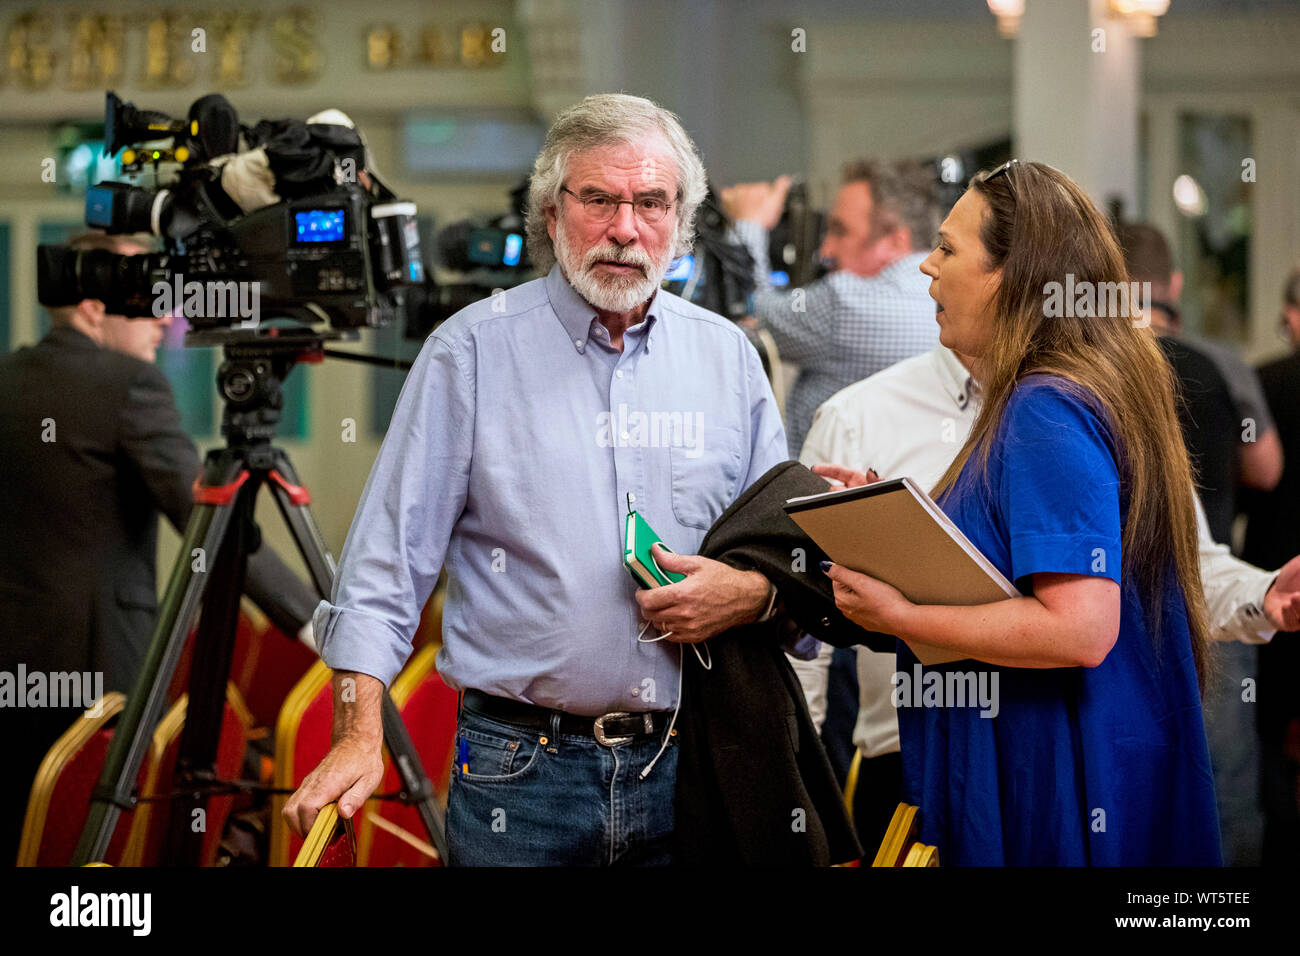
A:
(600, 729)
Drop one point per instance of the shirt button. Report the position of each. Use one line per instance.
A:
(618, 373)
(624, 436)
(578, 342)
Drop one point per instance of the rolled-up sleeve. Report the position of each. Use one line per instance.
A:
(1234, 590)
(403, 523)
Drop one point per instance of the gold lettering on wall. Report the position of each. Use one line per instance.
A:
(432, 47)
(29, 52)
(95, 51)
(474, 50)
(383, 47)
(296, 58)
(234, 30)
(471, 45)
(165, 65)
(175, 45)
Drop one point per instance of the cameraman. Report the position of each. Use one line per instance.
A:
(94, 450)
(873, 309)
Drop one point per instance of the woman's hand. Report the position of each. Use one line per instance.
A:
(846, 476)
(866, 601)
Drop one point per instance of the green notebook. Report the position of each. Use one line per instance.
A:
(637, 539)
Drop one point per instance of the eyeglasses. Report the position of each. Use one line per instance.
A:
(600, 207)
(1001, 169)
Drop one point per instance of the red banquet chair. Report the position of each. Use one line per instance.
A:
(60, 794)
(302, 739)
(330, 842)
(148, 830)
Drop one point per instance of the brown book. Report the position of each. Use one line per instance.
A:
(893, 531)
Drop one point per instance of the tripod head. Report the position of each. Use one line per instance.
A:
(250, 381)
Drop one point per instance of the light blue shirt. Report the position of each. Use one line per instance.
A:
(518, 435)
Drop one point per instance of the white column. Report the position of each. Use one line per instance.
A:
(1076, 83)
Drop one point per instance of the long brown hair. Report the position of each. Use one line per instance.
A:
(1039, 227)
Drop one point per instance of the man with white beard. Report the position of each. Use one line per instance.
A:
(500, 461)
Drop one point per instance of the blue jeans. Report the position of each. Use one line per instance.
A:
(570, 801)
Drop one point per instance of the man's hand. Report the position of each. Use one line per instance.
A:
(758, 202)
(1282, 602)
(846, 476)
(354, 765)
(715, 597)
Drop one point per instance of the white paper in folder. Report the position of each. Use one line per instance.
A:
(893, 531)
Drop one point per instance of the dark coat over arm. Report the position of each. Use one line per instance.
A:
(754, 786)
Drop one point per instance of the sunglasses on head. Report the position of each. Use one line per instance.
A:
(1001, 169)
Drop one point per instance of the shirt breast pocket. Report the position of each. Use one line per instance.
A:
(705, 475)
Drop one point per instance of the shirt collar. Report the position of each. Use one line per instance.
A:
(957, 380)
(578, 316)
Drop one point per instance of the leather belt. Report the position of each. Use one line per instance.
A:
(608, 729)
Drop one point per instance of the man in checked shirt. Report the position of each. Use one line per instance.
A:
(872, 309)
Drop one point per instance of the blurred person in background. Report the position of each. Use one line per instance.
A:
(1273, 527)
(1232, 442)
(871, 310)
(1226, 420)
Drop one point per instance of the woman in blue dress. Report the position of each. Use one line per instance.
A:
(1075, 483)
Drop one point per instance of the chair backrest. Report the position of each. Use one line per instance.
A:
(331, 841)
(60, 796)
(851, 783)
(900, 846)
(302, 739)
(148, 830)
(392, 833)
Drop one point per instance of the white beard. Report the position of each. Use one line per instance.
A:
(615, 293)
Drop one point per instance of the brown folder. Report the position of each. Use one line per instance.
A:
(892, 531)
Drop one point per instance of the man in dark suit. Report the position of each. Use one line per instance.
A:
(93, 451)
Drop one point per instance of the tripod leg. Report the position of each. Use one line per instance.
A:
(214, 646)
(144, 706)
(294, 502)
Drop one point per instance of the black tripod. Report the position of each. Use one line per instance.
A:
(220, 535)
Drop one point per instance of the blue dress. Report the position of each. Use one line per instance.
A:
(1080, 766)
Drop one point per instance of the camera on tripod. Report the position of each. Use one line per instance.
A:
(282, 219)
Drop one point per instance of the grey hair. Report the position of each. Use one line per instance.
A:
(902, 194)
(609, 119)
